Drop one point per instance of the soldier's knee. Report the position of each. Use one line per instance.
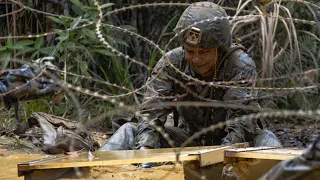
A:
(128, 127)
(266, 138)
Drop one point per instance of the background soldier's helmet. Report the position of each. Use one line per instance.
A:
(211, 33)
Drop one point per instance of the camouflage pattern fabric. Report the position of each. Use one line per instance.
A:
(215, 32)
(305, 166)
(124, 138)
(57, 134)
(19, 84)
(233, 65)
(238, 66)
(15, 79)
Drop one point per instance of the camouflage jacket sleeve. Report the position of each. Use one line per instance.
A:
(241, 67)
(153, 111)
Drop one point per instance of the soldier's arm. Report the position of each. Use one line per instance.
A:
(244, 68)
(158, 86)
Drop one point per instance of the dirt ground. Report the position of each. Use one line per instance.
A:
(296, 134)
(9, 161)
(290, 134)
(131, 172)
(299, 134)
(14, 151)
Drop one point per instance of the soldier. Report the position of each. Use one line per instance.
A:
(206, 53)
(304, 166)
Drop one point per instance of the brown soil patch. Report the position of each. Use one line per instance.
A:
(131, 172)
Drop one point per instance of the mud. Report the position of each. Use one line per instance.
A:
(131, 172)
(13, 152)
(8, 163)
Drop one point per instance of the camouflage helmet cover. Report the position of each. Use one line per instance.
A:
(211, 33)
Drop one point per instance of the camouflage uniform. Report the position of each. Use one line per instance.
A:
(17, 85)
(305, 166)
(233, 65)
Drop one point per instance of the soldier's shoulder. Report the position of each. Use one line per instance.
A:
(240, 58)
(235, 61)
(175, 56)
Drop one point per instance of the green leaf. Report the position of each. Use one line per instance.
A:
(63, 37)
(78, 11)
(83, 67)
(153, 58)
(106, 5)
(72, 46)
(16, 47)
(2, 48)
(30, 3)
(9, 42)
(90, 33)
(47, 50)
(24, 43)
(75, 22)
(38, 42)
(77, 3)
(99, 46)
(118, 41)
(92, 15)
(103, 51)
(5, 59)
(89, 8)
(56, 20)
(85, 42)
(128, 27)
(25, 50)
(75, 80)
(34, 55)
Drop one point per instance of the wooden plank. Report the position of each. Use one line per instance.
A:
(213, 156)
(116, 158)
(264, 153)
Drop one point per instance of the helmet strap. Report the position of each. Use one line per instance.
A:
(214, 78)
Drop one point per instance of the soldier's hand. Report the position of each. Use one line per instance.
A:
(239, 169)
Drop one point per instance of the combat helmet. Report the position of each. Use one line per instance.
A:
(213, 32)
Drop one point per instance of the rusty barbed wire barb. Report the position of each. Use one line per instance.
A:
(213, 84)
(97, 80)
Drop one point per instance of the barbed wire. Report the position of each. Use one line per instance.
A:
(202, 102)
(214, 84)
(98, 81)
(219, 84)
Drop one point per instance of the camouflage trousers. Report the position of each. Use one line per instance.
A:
(305, 166)
(124, 138)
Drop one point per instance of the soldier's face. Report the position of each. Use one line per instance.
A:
(201, 60)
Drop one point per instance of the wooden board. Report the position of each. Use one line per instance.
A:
(213, 156)
(116, 158)
(272, 153)
(204, 155)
